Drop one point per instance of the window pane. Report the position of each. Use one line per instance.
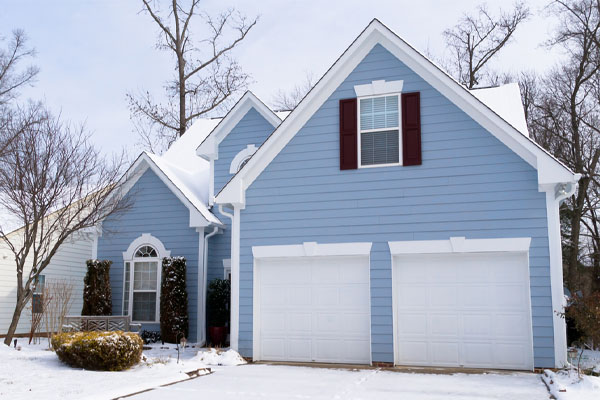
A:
(145, 275)
(144, 306)
(126, 287)
(379, 113)
(146, 251)
(379, 147)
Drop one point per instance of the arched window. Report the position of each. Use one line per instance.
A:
(241, 158)
(141, 278)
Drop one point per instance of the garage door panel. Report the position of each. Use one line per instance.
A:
(442, 296)
(326, 312)
(468, 313)
(444, 324)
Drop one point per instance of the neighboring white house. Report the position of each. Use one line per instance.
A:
(67, 264)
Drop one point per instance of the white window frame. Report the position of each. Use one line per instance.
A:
(227, 268)
(129, 257)
(359, 130)
(241, 157)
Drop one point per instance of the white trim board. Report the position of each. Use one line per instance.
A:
(312, 249)
(550, 170)
(460, 245)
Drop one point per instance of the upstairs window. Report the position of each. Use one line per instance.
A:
(379, 131)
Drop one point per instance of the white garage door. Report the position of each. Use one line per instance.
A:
(313, 309)
(470, 310)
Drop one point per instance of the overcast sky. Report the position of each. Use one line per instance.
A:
(91, 52)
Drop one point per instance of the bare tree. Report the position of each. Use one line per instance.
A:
(565, 118)
(56, 184)
(60, 292)
(476, 39)
(284, 100)
(14, 76)
(206, 73)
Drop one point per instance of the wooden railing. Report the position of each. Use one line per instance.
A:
(76, 323)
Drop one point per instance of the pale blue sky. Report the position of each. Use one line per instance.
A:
(91, 52)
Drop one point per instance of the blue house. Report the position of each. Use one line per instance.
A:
(393, 217)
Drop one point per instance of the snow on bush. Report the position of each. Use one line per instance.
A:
(219, 357)
(104, 351)
(174, 322)
(97, 298)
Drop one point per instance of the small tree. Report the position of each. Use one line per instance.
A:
(97, 298)
(60, 293)
(174, 321)
(585, 313)
(217, 302)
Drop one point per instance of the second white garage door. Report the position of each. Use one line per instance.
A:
(312, 309)
(469, 310)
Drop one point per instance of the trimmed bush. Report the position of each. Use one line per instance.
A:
(217, 302)
(174, 321)
(99, 351)
(97, 298)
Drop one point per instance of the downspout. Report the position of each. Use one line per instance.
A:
(235, 269)
(205, 277)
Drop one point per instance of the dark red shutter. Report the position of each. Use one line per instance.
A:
(411, 129)
(348, 134)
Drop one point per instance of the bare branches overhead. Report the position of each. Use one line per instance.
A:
(288, 100)
(206, 73)
(56, 186)
(13, 76)
(476, 39)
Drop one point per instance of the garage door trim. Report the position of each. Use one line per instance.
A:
(455, 245)
(306, 249)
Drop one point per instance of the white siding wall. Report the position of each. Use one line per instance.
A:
(68, 263)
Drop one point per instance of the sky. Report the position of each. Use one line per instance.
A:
(92, 52)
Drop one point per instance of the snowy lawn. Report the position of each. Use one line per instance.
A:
(568, 385)
(275, 382)
(36, 373)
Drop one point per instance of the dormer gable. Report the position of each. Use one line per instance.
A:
(235, 139)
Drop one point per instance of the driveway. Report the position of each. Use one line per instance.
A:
(275, 382)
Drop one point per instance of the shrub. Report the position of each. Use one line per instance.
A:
(97, 298)
(150, 336)
(217, 302)
(101, 351)
(584, 311)
(174, 323)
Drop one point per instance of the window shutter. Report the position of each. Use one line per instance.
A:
(348, 134)
(411, 128)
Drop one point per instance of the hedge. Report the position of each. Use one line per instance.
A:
(174, 320)
(97, 298)
(100, 351)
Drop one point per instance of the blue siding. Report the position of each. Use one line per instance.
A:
(469, 184)
(253, 128)
(156, 210)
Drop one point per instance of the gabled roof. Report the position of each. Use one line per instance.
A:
(209, 147)
(189, 187)
(550, 170)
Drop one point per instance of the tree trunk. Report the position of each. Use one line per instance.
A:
(21, 302)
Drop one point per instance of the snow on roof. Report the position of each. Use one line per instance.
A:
(505, 101)
(192, 184)
(183, 151)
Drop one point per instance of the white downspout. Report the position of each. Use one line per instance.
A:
(205, 279)
(235, 274)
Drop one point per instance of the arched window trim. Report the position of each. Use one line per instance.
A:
(240, 157)
(129, 264)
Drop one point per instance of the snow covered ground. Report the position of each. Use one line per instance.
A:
(568, 385)
(35, 372)
(275, 382)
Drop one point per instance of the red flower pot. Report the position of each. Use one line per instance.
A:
(217, 335)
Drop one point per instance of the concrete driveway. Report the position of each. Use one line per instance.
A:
(276, 382)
